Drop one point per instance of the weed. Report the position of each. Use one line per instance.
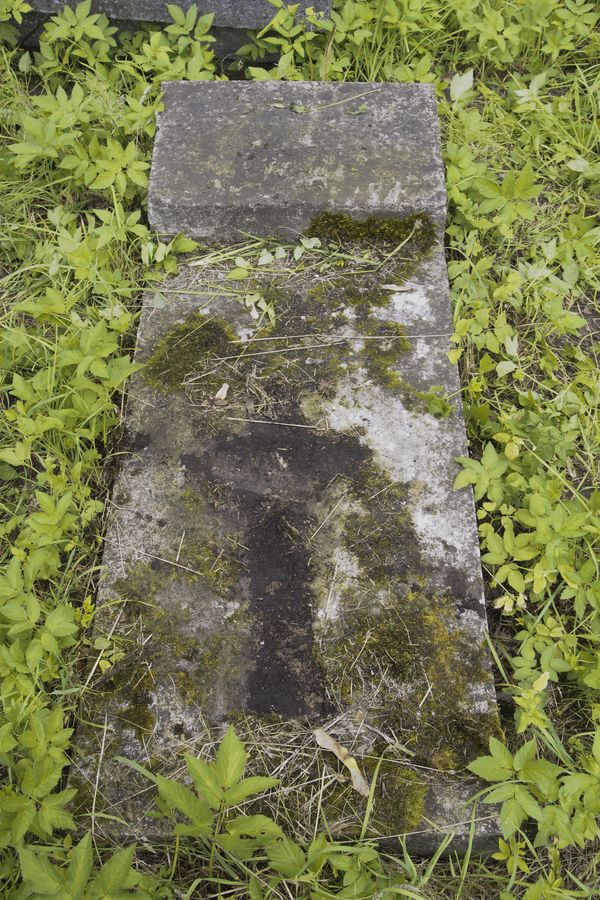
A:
(517, 88)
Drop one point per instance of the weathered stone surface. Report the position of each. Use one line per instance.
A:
(238, 14)
(289, 552)
(266, 158)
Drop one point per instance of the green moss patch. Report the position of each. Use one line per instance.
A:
(194, 343)
(204, 351)
(390, 232)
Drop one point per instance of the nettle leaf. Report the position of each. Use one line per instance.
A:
(512, 815)
(286, 857)
(247, 787)
(524, 754)
(205, 778)
(230, 761)
(489, 769)
(80, 867)
(254, 826)
(39, 874)
(180, 798)
(52, 815)
(116, 873)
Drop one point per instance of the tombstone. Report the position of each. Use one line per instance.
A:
(232, 18)
(285, 549)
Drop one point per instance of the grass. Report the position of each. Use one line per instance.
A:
(517, 87)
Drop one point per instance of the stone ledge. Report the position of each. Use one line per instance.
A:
(266, 158)
(238, 14)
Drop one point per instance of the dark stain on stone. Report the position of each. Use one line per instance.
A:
(138, 441)
(460, 588)
(272, 483)
(286, 677)
(274, 474)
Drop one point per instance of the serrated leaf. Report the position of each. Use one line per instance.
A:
(489, 769)
(51, 814)
(501, 753)
(231, 759)
(247, 787)
(114, 874)
(176, 13)
(7, 739)
(511, 817)
(460, 84)
(205, 779)
(501, 793)
(524, 754)
(39, 874)
(61, 621)
(527, 802)
(254, 826)
(543, 774)
(22, 820)
(286, 857)
(178, 797)
(80, 867)
(579, 164)
(242, 848)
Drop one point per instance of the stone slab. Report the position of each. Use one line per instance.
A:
(288, 552)
(266, 158)
(238, 14)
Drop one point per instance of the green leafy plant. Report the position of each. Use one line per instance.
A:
(76, 879)
(265, 857)
(517, 88)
